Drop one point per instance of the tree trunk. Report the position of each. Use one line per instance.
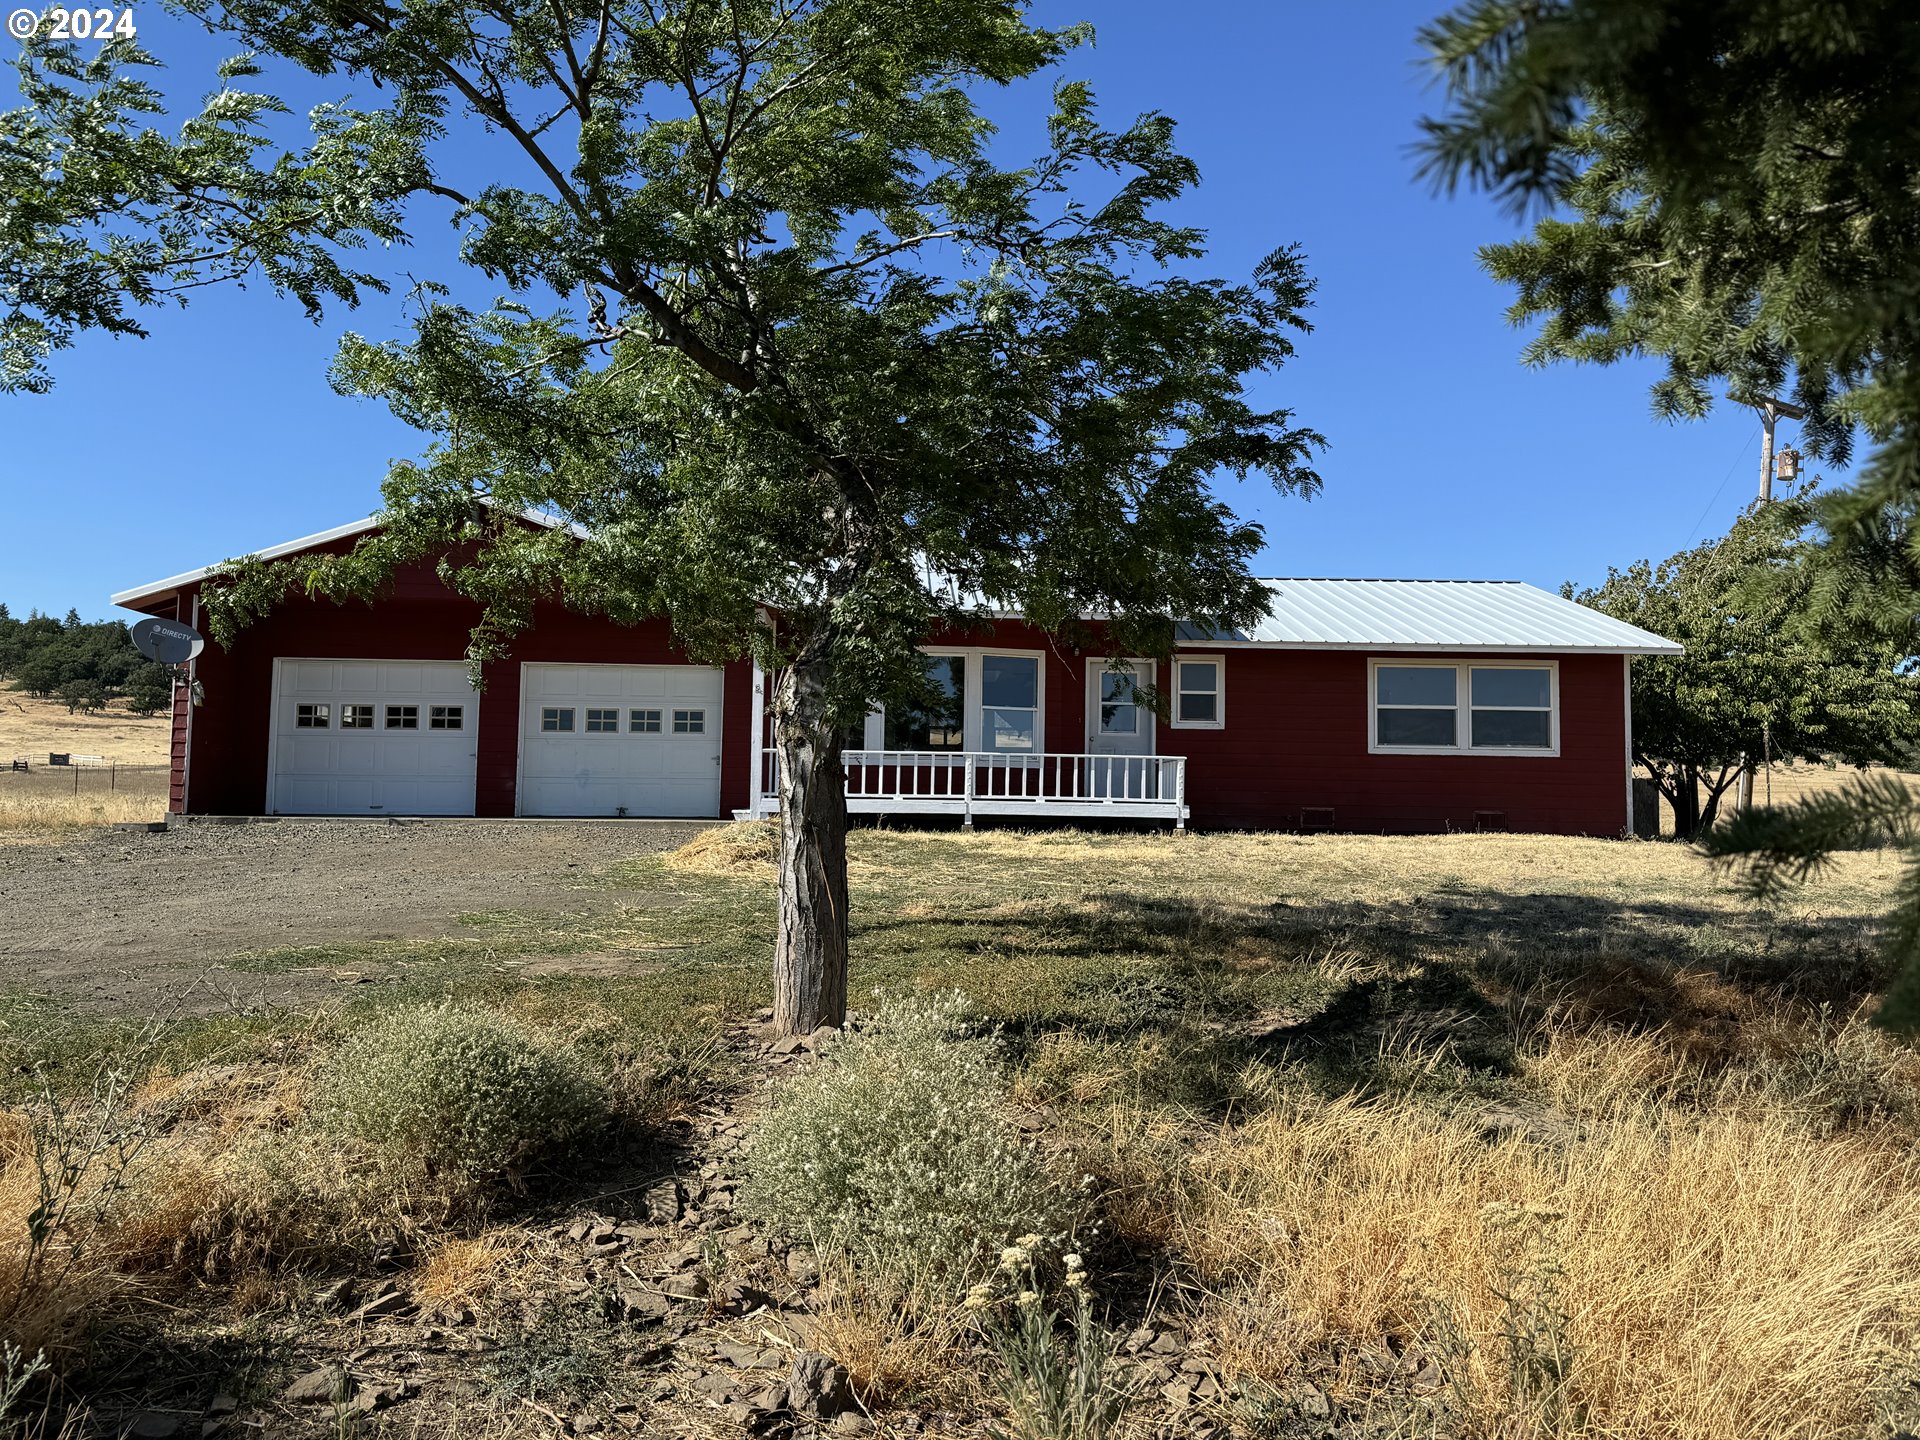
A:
(810, 952)
(1686, 810)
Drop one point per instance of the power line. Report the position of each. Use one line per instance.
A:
(1745, 445)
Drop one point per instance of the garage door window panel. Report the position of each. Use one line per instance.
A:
(689, 722)
(403, 717)
(446, 717)
(311, 717)
(644, 722)
(603, 722)
(356, 717)
(557, 719)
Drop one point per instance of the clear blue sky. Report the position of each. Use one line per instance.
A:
(1446, 458)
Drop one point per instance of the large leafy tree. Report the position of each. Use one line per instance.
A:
(810, 365)
(1761, 676)
(1734, 189)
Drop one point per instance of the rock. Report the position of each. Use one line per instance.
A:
(154, 1425)
(317, 1387)
(817, 1387)
(642, 1307)
(789, 1045)
(337, 1296)
(684, 1258)
(803, 1267)
(223, 1404)
(1167, 1343)
(392, 1304)
(824, 1035)
(583, 1425)
(685, 1287)
(1177, 1395)
(1313, 1402)
(1500, 1122)
(663, 1202)
(718, 1383)
(1429, 1377)
(739, 1298)
(851, 1422)
(1139, 1340)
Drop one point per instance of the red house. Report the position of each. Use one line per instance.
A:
(1379, 705)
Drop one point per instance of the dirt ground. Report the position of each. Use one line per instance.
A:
(122, 920)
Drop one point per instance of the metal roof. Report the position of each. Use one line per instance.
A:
(158, 588)
(1431, 615)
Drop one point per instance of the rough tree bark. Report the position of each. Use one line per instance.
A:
(810, 951)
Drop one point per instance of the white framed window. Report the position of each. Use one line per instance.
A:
(1447, 707)
(603, 722)
(982, 699)
(556, 719)
(356, 717)
(689, 722)
(643, 722)
(403, 717)
(1199, 699)
(310, 717)
(446, 717)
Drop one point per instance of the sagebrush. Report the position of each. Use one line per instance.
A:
(457, 1093)
(896, 1146)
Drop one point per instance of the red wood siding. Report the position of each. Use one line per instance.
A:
(1296, 739)
(420, 619)
(1295, 735)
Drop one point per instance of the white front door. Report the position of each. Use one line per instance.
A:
(372, 737)
(1120, 724)
(619, 740)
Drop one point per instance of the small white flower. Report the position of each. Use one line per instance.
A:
(1028, 1297)
(1072, 1262)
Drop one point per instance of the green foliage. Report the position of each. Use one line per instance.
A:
(463, 1094)
(86, 663)
(1738, 194)
(1760, 678)
(1772, 849)
(1053, 1391)
(894, 1144)
(106, 214)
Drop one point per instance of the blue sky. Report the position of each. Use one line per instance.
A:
(1446, 457)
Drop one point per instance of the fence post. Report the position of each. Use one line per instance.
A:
(966, 819)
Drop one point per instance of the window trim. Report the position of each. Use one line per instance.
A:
(556, 711)
(1463, 707)
(973, 718)
(1219, 692)
(394, 717)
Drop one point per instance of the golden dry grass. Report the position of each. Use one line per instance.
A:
(465, 1271)
(34, 728)
(46, 803)
(746, 848)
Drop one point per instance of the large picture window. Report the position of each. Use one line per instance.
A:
(1464, 708)
(938, 722)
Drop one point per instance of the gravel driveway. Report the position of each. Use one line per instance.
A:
(128, 920)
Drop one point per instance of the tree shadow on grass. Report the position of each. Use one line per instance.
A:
(1436, 990)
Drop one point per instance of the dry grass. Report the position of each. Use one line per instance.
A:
(47, 803)
(747, 848)
(1724, 1274)
(467, 1271)
(33, 728)
(898, 1347)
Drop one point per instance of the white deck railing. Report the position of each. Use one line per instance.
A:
(991, 782)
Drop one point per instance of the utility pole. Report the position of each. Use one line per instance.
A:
(1770, 410)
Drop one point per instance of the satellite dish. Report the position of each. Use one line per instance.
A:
(167, 641)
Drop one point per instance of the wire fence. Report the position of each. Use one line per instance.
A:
(82, 774)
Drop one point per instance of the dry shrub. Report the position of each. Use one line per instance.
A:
(746, 848)
(1724, 1275)
(463, 1272)
(899, 1345)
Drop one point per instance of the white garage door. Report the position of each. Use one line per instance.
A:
(372, 737)
(619, 740)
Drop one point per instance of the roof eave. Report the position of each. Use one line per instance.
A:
(1447, 648)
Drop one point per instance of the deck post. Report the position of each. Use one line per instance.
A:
(757, 796)
(966, 817)
(1180, 796)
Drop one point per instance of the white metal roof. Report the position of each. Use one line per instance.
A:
(292, 547)
(1432, 615)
